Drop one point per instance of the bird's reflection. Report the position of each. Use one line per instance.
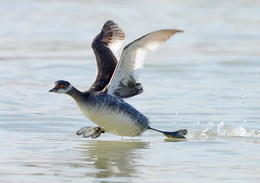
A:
(113, 158)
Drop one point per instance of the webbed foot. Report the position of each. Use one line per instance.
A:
(177, 134)
(89, 131)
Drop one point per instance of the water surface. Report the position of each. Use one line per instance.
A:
(205, 80)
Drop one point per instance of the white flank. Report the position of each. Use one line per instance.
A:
(115, 122)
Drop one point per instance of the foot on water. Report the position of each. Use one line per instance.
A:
(177, 134)
(89, 131)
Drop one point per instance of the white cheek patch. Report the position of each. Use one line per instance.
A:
(61, 90)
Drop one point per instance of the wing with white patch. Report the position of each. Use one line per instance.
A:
(109, 40)
(123, 83)
(112, 36)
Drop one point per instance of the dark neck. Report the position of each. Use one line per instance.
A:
(76, 94)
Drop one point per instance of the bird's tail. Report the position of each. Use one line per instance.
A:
(179, 134)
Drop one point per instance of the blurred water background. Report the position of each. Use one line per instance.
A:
(206, 80)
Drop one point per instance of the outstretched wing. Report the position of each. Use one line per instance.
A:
(123, 83)
(109, 40)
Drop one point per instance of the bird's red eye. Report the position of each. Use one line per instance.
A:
(60, 86)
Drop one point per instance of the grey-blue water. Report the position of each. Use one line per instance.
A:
(206, 80)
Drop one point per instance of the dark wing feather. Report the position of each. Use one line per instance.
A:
(109, 40)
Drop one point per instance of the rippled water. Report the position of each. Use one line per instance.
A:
(205, 80)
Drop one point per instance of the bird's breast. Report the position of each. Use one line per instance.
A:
(112, 119)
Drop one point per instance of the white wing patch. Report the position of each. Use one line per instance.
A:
(117, 37)
(132, 60)
(115, 45)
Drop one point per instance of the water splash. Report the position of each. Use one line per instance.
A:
(223, 129)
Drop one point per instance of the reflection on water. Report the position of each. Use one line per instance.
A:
(112, 158)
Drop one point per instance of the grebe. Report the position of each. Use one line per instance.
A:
(103, 103)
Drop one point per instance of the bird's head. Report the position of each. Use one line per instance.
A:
(61, 87)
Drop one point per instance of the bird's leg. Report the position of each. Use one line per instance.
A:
(89, 131)
(179, 134)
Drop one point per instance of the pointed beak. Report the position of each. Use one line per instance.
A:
(53, 90)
